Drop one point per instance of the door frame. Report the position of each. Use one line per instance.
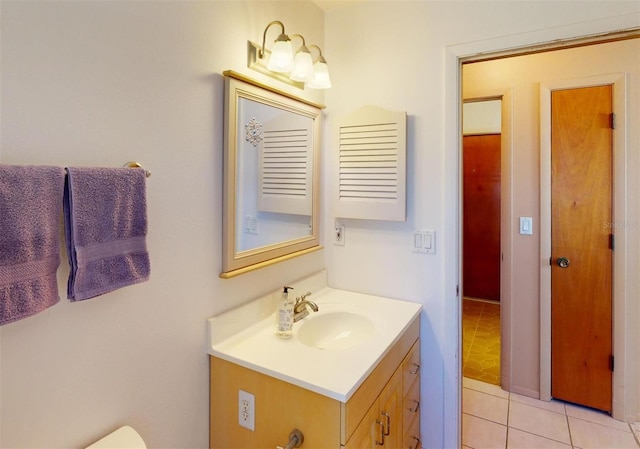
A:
(454, 55)
(618, 81)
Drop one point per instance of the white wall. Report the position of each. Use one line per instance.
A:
(482, 117)
(100, 84)
(401, 56)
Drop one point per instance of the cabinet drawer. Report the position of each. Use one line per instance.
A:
(412, 437)
(411, 368)
(411, 407)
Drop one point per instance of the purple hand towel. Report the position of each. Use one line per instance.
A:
(30, 218)
(105, 213)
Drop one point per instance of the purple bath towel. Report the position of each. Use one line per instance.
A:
(30, 218)
(105, 212)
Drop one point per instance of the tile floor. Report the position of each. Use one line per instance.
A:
(493, 418)
(481, 340)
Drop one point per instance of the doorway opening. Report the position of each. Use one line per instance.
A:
(481, 217)
(526, 313)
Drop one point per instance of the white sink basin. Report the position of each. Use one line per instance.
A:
(335, 330)
(331, 352)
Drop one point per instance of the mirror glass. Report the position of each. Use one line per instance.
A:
(270, 186)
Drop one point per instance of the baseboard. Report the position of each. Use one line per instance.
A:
(489, 301)
(525, 392)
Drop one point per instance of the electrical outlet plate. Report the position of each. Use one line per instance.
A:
(338, 236)
(246, 410)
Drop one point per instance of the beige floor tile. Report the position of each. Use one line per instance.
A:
(636, 430)
(589, 435)
(481, 341)
(479, 433)
(484, 387)
(552, 406)
(597, 417)
(483, 405)
(517, 439)
(481, 375)
(538, 421)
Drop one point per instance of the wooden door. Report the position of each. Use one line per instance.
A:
(581, 211)
(481, 209)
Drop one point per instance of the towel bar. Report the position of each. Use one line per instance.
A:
(134, 164)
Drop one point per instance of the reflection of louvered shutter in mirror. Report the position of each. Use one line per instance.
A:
(372, 165)
(286, 164)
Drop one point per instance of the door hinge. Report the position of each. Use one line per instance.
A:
(613, 120)
(611, 363)
(457, 290)
(612, 241)
(551, 261)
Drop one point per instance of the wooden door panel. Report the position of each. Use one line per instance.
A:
(481, 209)
(581, 173)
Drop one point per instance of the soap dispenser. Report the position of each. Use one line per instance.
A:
(284, 315)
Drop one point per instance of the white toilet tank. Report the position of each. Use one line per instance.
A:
(123, 438)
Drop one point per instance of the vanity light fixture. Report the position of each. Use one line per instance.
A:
(281, 55)
(302, 63)
(294, 68)
(320, 78)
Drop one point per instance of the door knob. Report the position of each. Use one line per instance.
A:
(563, 262)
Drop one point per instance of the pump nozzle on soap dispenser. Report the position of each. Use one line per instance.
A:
(284, 315)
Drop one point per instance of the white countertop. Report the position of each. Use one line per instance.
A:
(336, 373)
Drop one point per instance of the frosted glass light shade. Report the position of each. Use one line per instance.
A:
(281, 59)
(302, 66)
(320, 79)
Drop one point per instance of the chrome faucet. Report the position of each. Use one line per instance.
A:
(302, 306)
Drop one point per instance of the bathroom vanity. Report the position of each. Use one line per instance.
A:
(347, 378)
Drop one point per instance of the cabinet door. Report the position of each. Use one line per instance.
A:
(390, 411)
(367, 432)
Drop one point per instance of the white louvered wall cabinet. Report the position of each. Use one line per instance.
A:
(372, 165)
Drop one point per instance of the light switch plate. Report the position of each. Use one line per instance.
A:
(424, 241)
(526, 225)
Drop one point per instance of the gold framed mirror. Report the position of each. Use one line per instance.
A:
(271, 169)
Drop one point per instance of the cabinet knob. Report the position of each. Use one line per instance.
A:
(415, 369)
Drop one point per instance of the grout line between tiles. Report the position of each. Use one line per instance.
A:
(635, 437)
(506, 440)
(485, 419)
(600, 424)
(542, 436)
(566, 417)
(564, 412)
(487, 392)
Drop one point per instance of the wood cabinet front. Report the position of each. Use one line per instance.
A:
(382, 425)
(382, 413)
